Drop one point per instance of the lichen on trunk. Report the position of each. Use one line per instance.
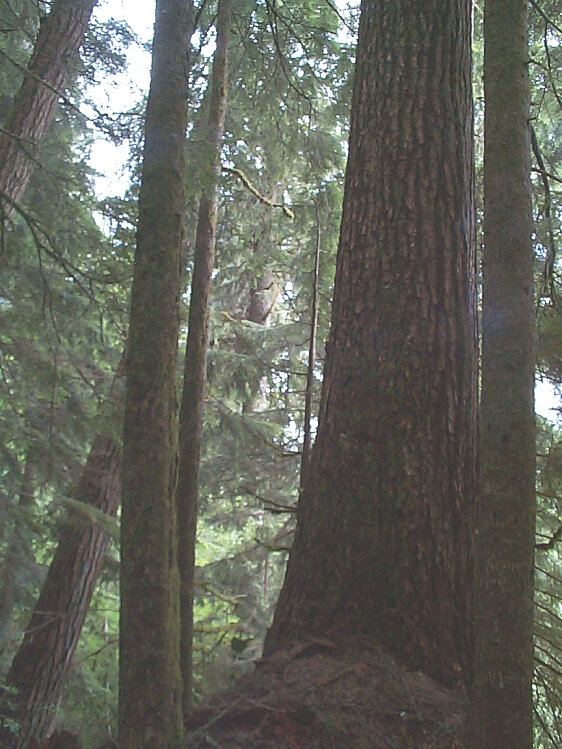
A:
(150, 679)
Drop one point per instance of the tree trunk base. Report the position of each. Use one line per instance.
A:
(316, 694)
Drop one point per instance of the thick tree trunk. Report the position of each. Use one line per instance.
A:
(150, 680)
(34, 106)
(40, 667)
(383, 545)
(504, 593)
(191, 416)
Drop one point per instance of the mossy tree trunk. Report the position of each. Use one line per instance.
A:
(33, 109)
(383, 542)
(39, 670)
(191, 415)
(504, 621)
(17, 548)
(150, 680)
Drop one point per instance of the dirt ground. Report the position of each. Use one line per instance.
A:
(316, 695)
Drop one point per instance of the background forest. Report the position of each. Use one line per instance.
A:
(65, 276)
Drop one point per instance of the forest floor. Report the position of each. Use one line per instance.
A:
(315, 695)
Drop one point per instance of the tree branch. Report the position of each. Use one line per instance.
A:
(262, 198)
(550, 543)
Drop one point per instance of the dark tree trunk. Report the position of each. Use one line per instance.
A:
(504, 582)
(34, 106)
(191, 416)
(150, 680)
(383, 546)
(40, 667)
(307, 427)
(17, 549)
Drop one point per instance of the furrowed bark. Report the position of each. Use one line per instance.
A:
(39, 670)
(383, 542)
(33, 109)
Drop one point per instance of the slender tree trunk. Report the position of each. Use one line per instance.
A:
(383, 546)
(16, 548)
(504, 593)
(262, 299)
(39, 670)
(33, 110)
(191, 418)
(307, 427)
(150, 680)
(259, 309)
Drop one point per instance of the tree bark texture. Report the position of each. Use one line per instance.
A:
(40, 667)
(505, 550)
(383, 545)
(150, 682)
(17, 547)
(191, 414)
(33, 109)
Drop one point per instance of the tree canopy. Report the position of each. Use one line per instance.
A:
(66, 270)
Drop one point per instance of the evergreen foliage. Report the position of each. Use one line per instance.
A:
(65, 273)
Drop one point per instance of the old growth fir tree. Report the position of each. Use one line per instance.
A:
(382, 546)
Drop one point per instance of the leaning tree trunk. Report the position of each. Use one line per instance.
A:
(382, 548)
(502, 699)
(150, 680)
(38, 672)
(34, 106)
(191, 415)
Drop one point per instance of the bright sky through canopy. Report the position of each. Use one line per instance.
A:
(118, 93)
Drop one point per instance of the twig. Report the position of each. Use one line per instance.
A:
(276, 506)
(262, 198)
(350, 670)
(544, 173)
(552, 540)
(541, 12)
(112, 641)
(548, 275)
(216, 718)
